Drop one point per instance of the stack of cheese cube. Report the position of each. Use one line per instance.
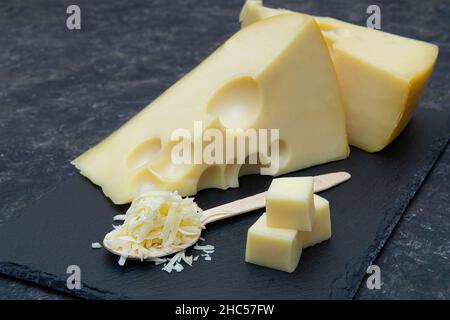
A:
(295, 219)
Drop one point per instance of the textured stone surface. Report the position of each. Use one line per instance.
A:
(415, 262)
(53, 105)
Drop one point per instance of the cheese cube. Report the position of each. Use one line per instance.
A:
(290, 203)
(273, 247)
(381, 75)
(275, 74)
(322, 224)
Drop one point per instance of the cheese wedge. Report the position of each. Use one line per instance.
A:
(276, 73)
(381, 75)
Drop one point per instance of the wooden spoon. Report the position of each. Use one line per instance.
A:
(234, 208)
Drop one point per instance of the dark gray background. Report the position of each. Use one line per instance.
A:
(52, 106)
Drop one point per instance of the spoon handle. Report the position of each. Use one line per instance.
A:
(258, 201)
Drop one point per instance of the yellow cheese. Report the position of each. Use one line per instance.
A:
(273, 247)
(276, 73)
(281, 248)
(290, 203)
(322, 224)
(381, 75)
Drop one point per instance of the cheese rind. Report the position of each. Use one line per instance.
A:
(276, 73)
(274, 248)
(290, 203)
(381, 75)
(321, 230)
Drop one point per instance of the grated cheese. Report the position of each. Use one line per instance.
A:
(96, 245)
(174, 260)
(122, 260)
(119, 217)
(206, 257)
(206, 247)
(156, 221)
(178, 267)
(187, 259)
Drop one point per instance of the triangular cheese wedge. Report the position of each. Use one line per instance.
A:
(275, 74)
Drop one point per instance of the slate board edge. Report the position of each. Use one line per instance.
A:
(52, 282)
(384, 234)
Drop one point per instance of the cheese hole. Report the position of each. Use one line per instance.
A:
(266, 160)
(172, 171)
(211, 177)
(238, 103)
(167, 168)
(144, 153)
(252, 168)
(145, 181)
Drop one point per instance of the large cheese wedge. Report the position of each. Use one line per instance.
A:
(381, 75)
(275, 74)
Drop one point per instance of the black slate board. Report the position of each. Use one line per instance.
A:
(58, 230)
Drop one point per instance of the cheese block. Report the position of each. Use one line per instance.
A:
(322, 224)
(290, 203)
(276, 74)
(274, 248)
(381, 75)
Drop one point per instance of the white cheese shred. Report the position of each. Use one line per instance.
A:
(120, 217)
(178, 267)
(202, 248)
(207, 250)
(96, 245)
(122, 260)
(187, 260)
(171, 264)
(207, 257)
